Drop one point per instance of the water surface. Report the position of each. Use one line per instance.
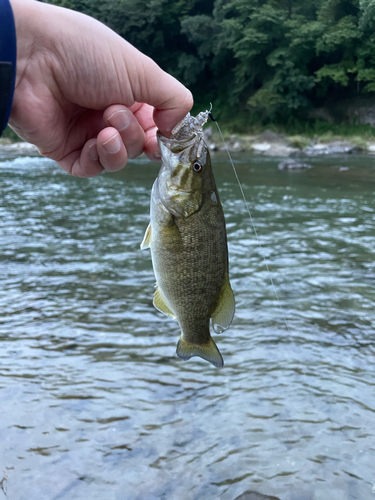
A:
(94, 402)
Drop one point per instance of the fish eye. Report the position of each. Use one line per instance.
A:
(196, 167)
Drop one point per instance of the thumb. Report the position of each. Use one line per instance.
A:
(171, 100)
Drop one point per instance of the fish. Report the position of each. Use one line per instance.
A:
(188, 242)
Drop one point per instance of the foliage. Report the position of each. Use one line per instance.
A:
(10, 134)
(266, 60)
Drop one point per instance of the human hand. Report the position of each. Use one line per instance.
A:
(84, 96)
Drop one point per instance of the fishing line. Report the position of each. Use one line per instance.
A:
(252, 222)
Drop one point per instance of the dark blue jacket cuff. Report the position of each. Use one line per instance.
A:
(8, 56)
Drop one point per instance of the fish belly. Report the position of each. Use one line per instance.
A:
(190, 263)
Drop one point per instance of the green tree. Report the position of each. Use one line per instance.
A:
(265, 59)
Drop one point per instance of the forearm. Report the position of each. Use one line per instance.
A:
(7, 61)
(17, 19)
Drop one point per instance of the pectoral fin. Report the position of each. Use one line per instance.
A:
(161, 304)
(223, 315)
(209, 351)
(147, 238)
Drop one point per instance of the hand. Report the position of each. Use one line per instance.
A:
(84, 96)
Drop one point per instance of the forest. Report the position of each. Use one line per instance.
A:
(257, 61)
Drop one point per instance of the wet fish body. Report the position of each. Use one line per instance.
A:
(188, 242)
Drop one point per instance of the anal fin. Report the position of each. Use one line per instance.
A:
(161, 304)
(223, 315)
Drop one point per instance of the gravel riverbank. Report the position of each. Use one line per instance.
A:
(268, 143)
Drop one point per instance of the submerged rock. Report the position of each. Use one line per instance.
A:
(254, 495)
(293, 165)
(330, 148)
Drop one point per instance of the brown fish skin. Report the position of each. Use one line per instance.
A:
(188, 242)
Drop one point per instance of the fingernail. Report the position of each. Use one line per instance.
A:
(157, 154)
(113, 145)
(119, 120)
(93, 152)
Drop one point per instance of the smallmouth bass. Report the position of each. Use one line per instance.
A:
(188, 242)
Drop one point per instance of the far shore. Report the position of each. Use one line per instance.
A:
(268, 143)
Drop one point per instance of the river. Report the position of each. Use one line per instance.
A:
(94, 402)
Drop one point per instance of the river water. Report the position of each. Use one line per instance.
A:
(94, 403)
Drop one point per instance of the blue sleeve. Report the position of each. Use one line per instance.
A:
(8, 55)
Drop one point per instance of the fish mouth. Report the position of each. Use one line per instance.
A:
(186, 150)
(179, 191)
(175, 145)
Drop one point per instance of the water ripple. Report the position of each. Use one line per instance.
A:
(94, 401)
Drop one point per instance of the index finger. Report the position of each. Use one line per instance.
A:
(144, 114)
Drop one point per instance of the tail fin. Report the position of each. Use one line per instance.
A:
(209, 351)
